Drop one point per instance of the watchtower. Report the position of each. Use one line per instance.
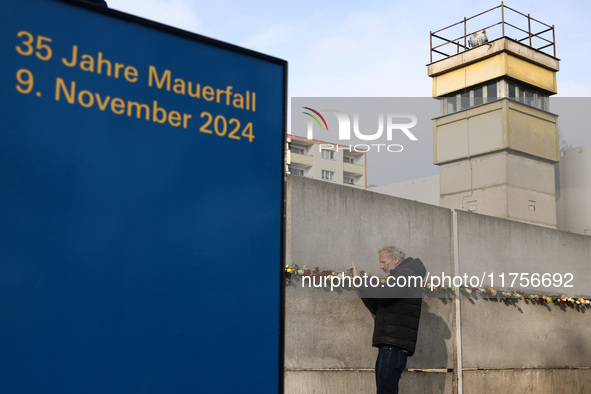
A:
(496, 141)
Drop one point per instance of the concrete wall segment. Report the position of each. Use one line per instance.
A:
(530, 206)
(573, 188)
(337, 333)
(532, 131)
(533, 381)
(493, 245)
(490, 201)
(502, 124)
(363, 382)
(334, 226)
(498, 334)
(527, 173)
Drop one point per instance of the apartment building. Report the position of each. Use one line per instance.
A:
(326, 161)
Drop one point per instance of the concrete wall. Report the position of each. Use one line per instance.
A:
(424, 189)
(334, 226)
(492, 245)
(465, 345)
(501, 184)
(573, 190)
(501, 156)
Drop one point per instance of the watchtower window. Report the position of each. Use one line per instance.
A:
(486, 93)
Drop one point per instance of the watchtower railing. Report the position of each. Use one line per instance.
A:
(506, 25)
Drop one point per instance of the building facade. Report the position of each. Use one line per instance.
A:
(326, 161)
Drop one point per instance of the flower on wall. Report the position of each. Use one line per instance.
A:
(428, 289)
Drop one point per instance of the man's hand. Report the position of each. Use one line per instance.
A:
(355, 271)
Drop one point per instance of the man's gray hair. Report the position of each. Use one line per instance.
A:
(393, 252)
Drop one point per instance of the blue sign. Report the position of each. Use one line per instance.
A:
(141, 206)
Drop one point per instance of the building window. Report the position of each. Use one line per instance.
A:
(347, 159)
(452, 104)
(349, 181)
(479, 96)
(296, 171)
(541, 101)
(491, 92)
(328, 175)
(465, 100)
(487, 93)
(327, 154)
(296, 149)
(511, 91)
(528, 96)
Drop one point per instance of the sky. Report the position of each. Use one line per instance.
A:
(375, 48)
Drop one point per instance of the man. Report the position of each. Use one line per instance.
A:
(396, 308)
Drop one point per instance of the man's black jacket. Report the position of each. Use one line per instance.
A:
(397, 310)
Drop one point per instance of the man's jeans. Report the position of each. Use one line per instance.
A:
(389, 366)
